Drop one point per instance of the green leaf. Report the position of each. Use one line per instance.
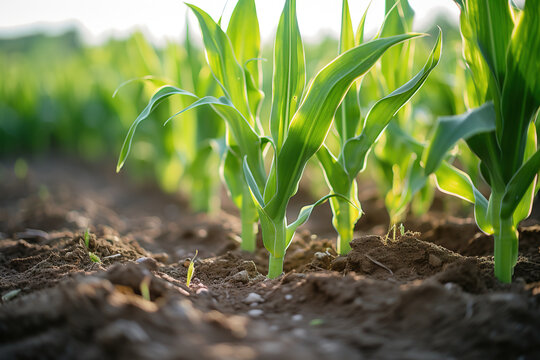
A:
(450, 129)
(356, 149)
(335, 174)
(491, 24)
(312, 121)
(160, 95)
(305, 213)
(222, 61)
(359, 36)
(455, 182)
(289, 73)
(519, 184)
(347, 117)
(521, 90)
(243, 31)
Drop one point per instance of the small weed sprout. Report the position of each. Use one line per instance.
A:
(93, 257)
(191, 269)
(145, 288)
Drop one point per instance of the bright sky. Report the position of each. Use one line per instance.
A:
(165, 19)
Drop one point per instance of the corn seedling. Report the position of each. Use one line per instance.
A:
(395, 159)
(93, 257)
(501, 44)
(191, 269)
(299, 121)
(357, 137)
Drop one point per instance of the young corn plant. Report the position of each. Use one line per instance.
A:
(396, 161)
(501, 45)
(357, 137)
(300, 117)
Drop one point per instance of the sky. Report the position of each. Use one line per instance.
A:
(164, 20)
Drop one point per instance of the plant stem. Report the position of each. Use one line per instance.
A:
(275, 266)
(345, 228)
(248, 214)
(506, 239)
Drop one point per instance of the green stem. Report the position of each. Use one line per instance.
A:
(248, 215)
(275, 266)
(345, 228)
(506, 240)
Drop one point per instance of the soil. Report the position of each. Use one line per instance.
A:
(418, 295)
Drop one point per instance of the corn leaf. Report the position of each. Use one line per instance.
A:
(289, 75)
(519, 184)
(450, 129)
(347, 117)
(524, 207)
(305, 213)
(359, 36)
(222, 61)
(356, 149)
(312, 121)
(455, 182)
(160, 95)
(521, 91)
(243, 31)
(336, 176)
(491, 23)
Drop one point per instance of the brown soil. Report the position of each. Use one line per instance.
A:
(428, 295)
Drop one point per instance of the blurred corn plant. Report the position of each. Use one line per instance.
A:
(358, 135)
(501, 44)
(300, 118)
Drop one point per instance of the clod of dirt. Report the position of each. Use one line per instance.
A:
(404, 259)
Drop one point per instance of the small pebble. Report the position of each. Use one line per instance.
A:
(297, 317)
(241, 276)
(288, 297)
(255, 312)
(253, 298)
(301, 333)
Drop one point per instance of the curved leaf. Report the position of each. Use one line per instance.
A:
(356, 149)
(312, 121)
(160, 95)
(455, 182)
(450, 129)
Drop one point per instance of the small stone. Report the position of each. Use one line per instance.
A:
(288, 297)
(253, 298)
(255, 312)
(241, 276)
(297, 317)
(434, 260)
(301, 333)
(148, 263)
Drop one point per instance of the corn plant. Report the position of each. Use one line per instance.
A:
(300, 117)
(357, 136)
(501, 44)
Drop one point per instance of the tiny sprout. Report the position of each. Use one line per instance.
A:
(87, 238)
(94, 257)
(191, 269)
(402, 229)
(145, 288)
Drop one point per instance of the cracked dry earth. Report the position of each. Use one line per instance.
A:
(428, 295)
